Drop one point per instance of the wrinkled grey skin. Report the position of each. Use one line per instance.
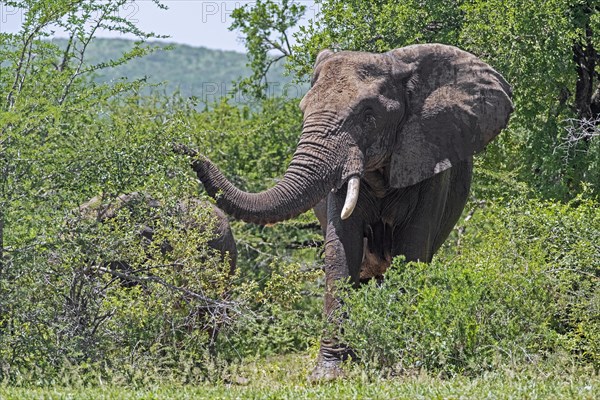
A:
(223, 240)
(407, 123)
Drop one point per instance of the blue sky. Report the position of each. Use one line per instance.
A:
(192, 22)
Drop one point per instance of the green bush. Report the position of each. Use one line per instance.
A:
(517, 281)
(285, 314)
(106, 297)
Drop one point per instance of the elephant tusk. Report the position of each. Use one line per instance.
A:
(351, 197)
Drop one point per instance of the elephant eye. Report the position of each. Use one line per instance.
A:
(369, 117)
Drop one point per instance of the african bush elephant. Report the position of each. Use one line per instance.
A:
(388, 140)
(185, 247)
(222, 237)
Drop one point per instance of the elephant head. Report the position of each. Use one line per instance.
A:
(409, 113)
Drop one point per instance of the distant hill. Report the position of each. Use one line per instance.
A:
(194, 71)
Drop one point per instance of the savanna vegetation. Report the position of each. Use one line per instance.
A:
(510, 307)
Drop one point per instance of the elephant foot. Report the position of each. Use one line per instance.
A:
(326, 371)
(329, 363)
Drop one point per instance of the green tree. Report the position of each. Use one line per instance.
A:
(265, 25)
(547, 51)
(43, 89)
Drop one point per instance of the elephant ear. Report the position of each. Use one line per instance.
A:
(456, 104)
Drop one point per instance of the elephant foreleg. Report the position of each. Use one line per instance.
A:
(343, 256)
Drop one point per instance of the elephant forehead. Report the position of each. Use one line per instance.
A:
(359, 66)
(346, 89)
(346, 79)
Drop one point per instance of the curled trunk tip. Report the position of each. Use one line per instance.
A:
(179, 148)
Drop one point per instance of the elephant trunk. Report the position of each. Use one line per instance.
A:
(317, 166)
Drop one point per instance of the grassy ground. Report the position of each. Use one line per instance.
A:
(285, 378)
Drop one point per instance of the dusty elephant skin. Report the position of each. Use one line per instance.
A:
(385, 155)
